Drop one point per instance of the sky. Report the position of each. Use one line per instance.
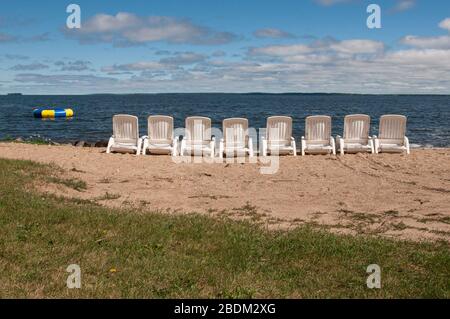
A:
(157, 46)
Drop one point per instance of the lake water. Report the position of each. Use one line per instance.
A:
(428, 116)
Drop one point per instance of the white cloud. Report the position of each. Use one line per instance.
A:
(441, 42)
(137, 66)
(400, 5)
(65, 80)
(272, 33)
(325, 65)
(357, 46)
(437, 42)
(184, 58)
(281, 50)
(351, 47)
(124, 29)
(403, 5)
(16, 57)
(331, 2)
(29, 67)
(428, 57)
(4, 37)
(445, 24)
(78, 65)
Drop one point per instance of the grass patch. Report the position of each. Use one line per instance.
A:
(73, 183)
(108, 196)
(392, 213)
(440, 219)
(123, 253)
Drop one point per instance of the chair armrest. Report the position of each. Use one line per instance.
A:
(292, 138)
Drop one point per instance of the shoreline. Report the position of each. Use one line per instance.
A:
(389, 195)
(104, 143)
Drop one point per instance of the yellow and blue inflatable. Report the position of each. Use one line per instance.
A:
(52, 113)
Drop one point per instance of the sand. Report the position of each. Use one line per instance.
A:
(391, 195)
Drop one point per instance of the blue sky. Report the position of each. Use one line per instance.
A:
(233, 46)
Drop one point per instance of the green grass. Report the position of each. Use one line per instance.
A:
(160, 255)
(73, 183)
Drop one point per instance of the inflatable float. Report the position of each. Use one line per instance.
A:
(52, 113)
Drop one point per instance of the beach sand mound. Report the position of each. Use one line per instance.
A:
(393, 195)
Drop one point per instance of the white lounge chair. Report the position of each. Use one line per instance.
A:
(160, 138)
(278, 139)
(235, 138)
(318, 137)
(197, 137)
(125, 135)
(391, 135)
(356, 135)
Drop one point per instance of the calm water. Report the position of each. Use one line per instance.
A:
(428, 116)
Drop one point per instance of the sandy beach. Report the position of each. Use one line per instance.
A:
(392, 195)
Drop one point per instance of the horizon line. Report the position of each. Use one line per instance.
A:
(236, 93)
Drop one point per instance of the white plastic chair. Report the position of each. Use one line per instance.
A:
(235, 138)
(160, 138)
(125, 135)
(356, 135)
(197, 137)
(278, 139)
(391, 135)
(318, 137)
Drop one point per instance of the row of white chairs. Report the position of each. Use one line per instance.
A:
(277, 140)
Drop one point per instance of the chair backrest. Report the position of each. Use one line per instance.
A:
(357, 128)
(318, 129)
(235, 132)
(392, 128)
(279, 129)
(160, 128)
(125, 128)
(198, 129)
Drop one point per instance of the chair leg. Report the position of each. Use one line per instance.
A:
(110, 144)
